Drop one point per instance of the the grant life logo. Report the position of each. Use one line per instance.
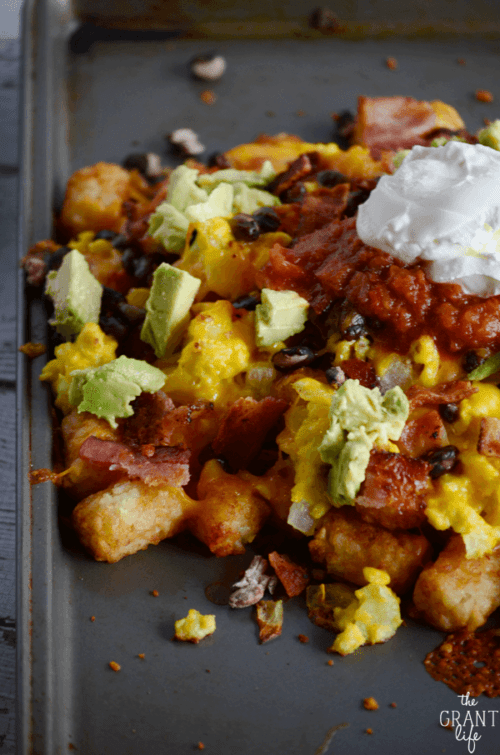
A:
(466, 723)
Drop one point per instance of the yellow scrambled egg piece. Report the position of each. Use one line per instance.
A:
(306, 422)
(469, 501)
(194, 627)
(372, 616)
(224, 265)
(219, 345)
(92, 348)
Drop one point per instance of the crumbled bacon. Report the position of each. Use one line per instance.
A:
(447, 393)
(393, 492)
(489, 437)
(145, 426)
(357, 369)
(321, 207)
(300, 167)
(294, 578)
(244, 428)
(468, 662)
(169, 465)
(393, 123)
(423, 434)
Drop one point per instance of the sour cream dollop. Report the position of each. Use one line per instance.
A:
(441, 205)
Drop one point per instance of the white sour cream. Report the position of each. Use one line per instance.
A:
(441, 205)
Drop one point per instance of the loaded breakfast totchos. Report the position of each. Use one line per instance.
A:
(298, 335)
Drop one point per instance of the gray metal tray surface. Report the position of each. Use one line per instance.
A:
(122, 95)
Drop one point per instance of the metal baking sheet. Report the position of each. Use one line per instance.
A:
(100, 100)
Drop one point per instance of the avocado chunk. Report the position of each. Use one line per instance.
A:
(490, 136)
(360, 418)
(107, 391)
(167, 308)
(76, 295)
(231, 176)
(280, 315)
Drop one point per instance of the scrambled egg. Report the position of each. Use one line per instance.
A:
(306, 422)
(372, 616)
(92, 348)
(194, 627)
(217, 350)
(224, 265)
(469, 501)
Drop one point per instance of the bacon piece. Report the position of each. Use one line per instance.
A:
(146, 424)
(356, 369)
(169, 465)
(423, 434)
(294, 578)
(320, 208)
(298, 169)
(393, 492)
(157, 421)
(244, 428)
(447, 393)
(489, 437)
(394, 123)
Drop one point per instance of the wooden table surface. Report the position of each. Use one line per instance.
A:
(9, 97)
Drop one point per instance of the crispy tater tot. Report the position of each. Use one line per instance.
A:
(455, 591)
(346, 544)
(84, 479)
(128, 516)
(229, 514)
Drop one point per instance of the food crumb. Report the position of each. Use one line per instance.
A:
(300, 113)
(207, 670)
(486, 121)
(208, 97)
(370, 703)
(483, 95)
(201, 746)
(303, 638)
(461, 61)
(33, 350)
(369, 731)
(92, 618)
(141, 655)
(394, 705)
(329, 663)
(449, 725)
(270, 113)
(115, 666)
(133, 731)
(155, 593)
(391, 63)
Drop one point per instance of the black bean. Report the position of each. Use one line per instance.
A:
(55, 260)
(448, 412)
(471, 361)
(131, 314)
(143, 268)
(331, 178)
(218, 160)
(193, 237)
(353, 326)
(293, 357)
(120, 241)
(355, 199)
(335, 376)
(248, 302)
(128, 260)
(112, 326)
(147, 163)
(344, 129)
(268, 219)
(106, 235)
(295, 193)
(442, 460)
(110, 297)
(245, 227)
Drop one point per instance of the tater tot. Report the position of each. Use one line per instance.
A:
(229, 514)
(83, 479)
(128, 516)
(456, 592)
(346, 544)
